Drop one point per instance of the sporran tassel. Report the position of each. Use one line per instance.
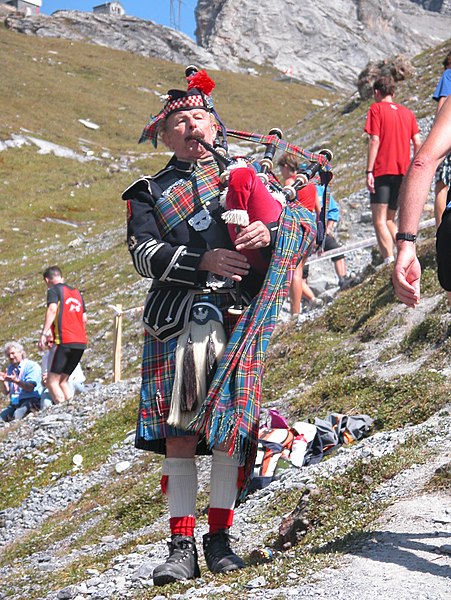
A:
(212, 362)
(188, 392)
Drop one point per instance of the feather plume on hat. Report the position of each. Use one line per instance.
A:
(197, 95)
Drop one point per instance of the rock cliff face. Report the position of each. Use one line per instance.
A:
(328, 42)
(123, 33)
(331, 41)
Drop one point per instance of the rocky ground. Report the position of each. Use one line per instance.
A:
(406, 553)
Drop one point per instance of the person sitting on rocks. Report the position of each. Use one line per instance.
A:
(21, 382)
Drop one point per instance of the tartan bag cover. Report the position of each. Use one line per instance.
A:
(231, 410)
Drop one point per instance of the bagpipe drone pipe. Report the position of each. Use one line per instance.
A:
(254, 193)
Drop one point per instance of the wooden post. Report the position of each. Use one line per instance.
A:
(117, 343)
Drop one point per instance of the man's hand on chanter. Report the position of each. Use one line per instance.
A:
(253, 237)
(226, 263)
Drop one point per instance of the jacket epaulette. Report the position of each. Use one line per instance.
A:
(148, 184)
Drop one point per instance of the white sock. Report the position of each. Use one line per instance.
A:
(224, 477)
(182, 486)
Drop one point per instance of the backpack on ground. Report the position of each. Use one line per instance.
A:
(273, 444)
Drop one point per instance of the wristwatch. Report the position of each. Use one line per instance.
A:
(407, 237)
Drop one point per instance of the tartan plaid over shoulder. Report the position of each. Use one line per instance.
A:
(188, 196)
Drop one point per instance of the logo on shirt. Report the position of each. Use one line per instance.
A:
(73, 304)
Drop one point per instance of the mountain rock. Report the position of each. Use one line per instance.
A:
(400, 68)
(145, 38)
(327, 43)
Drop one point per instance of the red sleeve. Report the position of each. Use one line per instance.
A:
(372, 125)
(307, 196)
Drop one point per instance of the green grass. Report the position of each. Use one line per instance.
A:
(391, 403)
(318, 363)
(47, 85)
(73, 80)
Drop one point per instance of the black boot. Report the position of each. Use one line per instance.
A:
(219, 556)
(181, 562)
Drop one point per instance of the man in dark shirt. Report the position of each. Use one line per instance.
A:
(178, 238)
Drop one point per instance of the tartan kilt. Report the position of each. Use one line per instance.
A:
(158, 372)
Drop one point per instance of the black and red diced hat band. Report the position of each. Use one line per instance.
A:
(197, 95)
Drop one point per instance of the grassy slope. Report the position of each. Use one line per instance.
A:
(47, 86)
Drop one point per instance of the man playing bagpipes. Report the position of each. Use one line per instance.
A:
(202, 366)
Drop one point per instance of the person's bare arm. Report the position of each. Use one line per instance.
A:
(412, 197)
(226, 263)
(28, 386)
(230, 263)
(373, 149)
(254, 236)
(440, 103)
(416, 140)
(418, 180)
(5, 386)
(50, 315)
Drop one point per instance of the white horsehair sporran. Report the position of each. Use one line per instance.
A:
(199, 348)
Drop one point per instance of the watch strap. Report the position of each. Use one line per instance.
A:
(408, 237)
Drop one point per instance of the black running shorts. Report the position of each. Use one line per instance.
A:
(443, 245)
(386, 190)
(65, 359)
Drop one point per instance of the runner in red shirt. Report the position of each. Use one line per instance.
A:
(64, 326)
(391, 129)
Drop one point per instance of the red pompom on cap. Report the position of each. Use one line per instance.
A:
(202, 82)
